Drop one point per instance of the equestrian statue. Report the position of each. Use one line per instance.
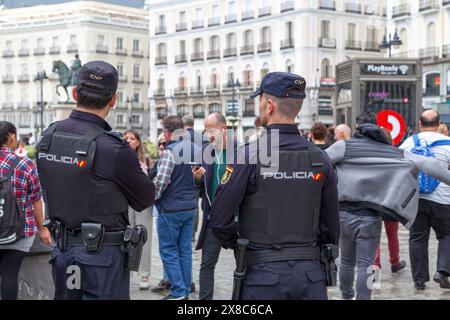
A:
(67, 77)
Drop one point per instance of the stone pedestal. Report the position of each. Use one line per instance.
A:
(35, 277)
(63, 110)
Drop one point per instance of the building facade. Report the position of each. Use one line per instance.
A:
(424, 28)
(199, 48)
(33, 38)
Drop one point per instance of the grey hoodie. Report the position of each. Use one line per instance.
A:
(374, 174)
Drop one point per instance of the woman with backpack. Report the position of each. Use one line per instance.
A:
(18, 224)
(143, 218)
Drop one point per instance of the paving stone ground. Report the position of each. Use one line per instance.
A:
(392, 286)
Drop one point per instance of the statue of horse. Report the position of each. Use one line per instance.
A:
(65, 77)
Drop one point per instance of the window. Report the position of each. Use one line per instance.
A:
(120, 43)
(137, 95)
(248, 5)
(182, 47)
(249, 109)
(136, 70)
(136, 45)
(39, 67)
(230, 75)
(432, 84)
(120, 95)
(351, 32)
(248, 38)
(325, 29)
(182, 81)
(101, 40)
(73, 39)
(198, 79)
(372, 34)
(161, 20)
(8, 94)
(265, 35)
(55, 41)
(8, 70)
(182, 16)
(24, 69)
(8, 45)
(136, 119)
(289, 66)
(182, 110)
(40, 43)
(264, 70)
(198, 45)
(288, 30)
(231, 7)
(215, 108)
(162, 50)
(404, 37)
(161, 82)
(198, 14)
(431, 35)
(24, 44)
(24, 94)
(215, 43)
(326, 69)
(120, 69)
(215, 11)
(120, 119)
(214, 79)
(231, 40)
(199, 110)
(248, 76)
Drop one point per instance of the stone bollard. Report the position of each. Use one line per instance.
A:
(35, 277)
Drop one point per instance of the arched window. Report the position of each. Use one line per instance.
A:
(248, 38)
(198, 45)
(289, 30)
(431, 35)
(403, 34)
(199, 111)
(215, 107)
(231, 75)
(182, 110)
(265, 70)
(162, 52)
(182, 81)
(248, 76)
(161, 83)
(231, 41)
(289, 66)
(326, 69)
(214, 43)
(214, 79)
(265, 35)
(198, 79)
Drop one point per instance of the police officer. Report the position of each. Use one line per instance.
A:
(287, 207)
(90, 176)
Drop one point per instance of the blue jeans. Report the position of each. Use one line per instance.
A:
(175, 249)
(360, 238)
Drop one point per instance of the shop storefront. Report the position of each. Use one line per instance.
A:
(379, 85)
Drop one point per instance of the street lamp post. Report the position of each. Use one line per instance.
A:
(129, 107)
(41, 76)
(393, 42)
(233, 85)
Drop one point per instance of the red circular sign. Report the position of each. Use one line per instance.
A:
(394, 122)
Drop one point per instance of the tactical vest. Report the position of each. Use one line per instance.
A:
(285, 208)
(71, 193)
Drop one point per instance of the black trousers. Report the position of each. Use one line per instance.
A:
(10, 263)
(436, 216)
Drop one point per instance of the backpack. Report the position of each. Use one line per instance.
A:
(427, 184)
(12, 219)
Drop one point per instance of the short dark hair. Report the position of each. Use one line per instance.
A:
(367, 117)
(172, 123)
(6, 128)
(94, 101)
(430, 121)
(188, 121)
(319, 131)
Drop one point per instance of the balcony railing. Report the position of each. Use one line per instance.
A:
(401, 10)
(55, 50)
(197, 56)
(39, 51)
(249, 113)
(429, 53)
(182, 26)
(138, 79)
(180, 91)
(428, 5)
(181, 58)
(197, 90)
(214, 54)
(138, 53)
(160, 92)
(246, 86)
(72, 48)
(264, 47)
(327, 43)
(198, 24)
(121, 51)
(353, 45)
(160, 30)
(212, 89)
(7, 105)
(287, 5)
(101, 49)
(123, 78)
(287, 44)
(231, 18)
(247, 15)
(24, 52)
(446, 51)
(214, 22)
(246, 50)
(8, 79)
(327, 5)
(265, 11)
(23, 78)
(199, 114)
(23, 105)
(370, 10)
(372, 46)
(230, 52)
(160, 61)
(8, 53)
(352, 7)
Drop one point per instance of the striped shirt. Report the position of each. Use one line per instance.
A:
(25, 184)
(165, 168)
(442, 153)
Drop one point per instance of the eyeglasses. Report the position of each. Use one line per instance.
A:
(162, 144)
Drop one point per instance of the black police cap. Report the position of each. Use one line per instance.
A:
(98, 77)
(282, 85)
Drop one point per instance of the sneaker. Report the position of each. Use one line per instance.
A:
(192, 287)
(144, 283)
(171, 297)
(398, 267)
(163, 285)
(420, 285)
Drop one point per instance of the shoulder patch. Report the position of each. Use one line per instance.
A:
(227, 175)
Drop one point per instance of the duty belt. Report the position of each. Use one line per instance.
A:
(285, 254)
(109, 239)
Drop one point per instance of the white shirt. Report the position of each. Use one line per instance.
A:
(442, 153)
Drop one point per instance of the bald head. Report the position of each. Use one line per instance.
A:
(215, 130)
(430, 120)
(216, 120)
(342, 132)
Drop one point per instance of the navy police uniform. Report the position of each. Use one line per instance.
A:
(90, 176)
(286, 208)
